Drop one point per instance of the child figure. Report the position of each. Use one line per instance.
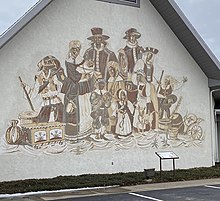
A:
(100, 100)
(123, 112)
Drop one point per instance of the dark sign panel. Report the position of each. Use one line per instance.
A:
(135, 3)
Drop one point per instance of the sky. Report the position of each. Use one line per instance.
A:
(204, 15)
(12, 10)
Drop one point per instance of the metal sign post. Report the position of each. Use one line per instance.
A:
(165, 155)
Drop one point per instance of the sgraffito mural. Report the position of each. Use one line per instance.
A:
(102, 100)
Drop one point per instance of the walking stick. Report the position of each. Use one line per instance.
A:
(159, 84)
(26, 93)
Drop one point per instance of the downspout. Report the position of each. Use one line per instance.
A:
(214, 140)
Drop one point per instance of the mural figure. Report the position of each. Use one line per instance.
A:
(115, 81)
(165, 98)
(146, 112)
(129, 55)
(48, 87)
(71, 90)
(171, 122)
(98, 53)
(100, 100)
(85, 69)
(124, 114)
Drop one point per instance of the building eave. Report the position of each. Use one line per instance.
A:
(189, 37)
(23, 21)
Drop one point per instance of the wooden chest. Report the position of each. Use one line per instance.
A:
(44, 133)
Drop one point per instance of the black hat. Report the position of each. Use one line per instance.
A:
(132, 31)
(96, 31)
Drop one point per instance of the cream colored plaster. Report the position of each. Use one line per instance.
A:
(50, 33)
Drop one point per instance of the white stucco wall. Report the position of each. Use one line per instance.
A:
(50, 33)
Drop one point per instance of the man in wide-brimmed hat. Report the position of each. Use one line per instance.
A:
(132, 51)
(132, 34)
(99, 53)
(97, 34)
(128, 57)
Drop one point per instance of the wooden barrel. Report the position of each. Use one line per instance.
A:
(164, 124)
(177, 125)
(173, 133)
(27, 117)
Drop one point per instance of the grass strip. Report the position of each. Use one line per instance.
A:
(97, 180)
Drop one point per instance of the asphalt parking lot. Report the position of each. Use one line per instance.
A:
(200, 193)
(194, 190)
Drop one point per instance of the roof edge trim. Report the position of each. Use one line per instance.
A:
(194, 32)
(22, 21)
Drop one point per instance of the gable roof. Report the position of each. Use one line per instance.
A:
(171, 14)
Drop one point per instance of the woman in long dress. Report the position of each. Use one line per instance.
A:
(146, 111)
(76, 88)
(123, 112)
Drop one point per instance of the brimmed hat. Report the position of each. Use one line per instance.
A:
(132, 31)
(96, 31)
(45, 62)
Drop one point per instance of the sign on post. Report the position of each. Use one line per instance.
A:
(164, 155)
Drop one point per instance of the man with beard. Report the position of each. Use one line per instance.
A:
(99, 54)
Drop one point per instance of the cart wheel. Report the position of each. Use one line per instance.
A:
(196, 132)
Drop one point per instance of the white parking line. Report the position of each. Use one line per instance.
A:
(142, 196)
(212, 187)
